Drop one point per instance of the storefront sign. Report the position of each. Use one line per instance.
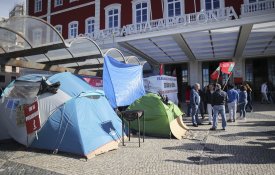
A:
(32, 117)
(201, 17)
(164, 85)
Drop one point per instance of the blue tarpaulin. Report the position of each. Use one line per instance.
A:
(122, 83)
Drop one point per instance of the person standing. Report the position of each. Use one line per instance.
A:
(201, 106)
(242, 102)
(208, 100)
(232, 101)
(219, 99)
(195, 102)
(264, 91)
(249, 97)
(187, 100)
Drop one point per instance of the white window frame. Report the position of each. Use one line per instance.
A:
(37, 40)
(73, 0)
(69, 29)
(86, 24)
(55, 3)
(56, 38)
(37, 7)
(134, 4)
(182, 7)
(203, 6)
(107, 9)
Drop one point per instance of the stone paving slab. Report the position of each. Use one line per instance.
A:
(246, 147)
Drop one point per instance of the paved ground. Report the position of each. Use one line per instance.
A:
(246, 147)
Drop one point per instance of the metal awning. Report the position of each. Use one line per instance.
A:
(30, 42)
(250, 40)
(249, 36)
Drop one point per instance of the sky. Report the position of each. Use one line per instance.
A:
(7, 5)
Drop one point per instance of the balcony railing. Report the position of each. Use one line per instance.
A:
(258, 8)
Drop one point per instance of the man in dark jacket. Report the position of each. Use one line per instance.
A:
(195, 102)
(218, 102)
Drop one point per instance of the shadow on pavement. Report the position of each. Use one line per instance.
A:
(261, 151)
(256, 123)
(9, 147)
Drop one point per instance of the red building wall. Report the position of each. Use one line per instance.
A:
(44, 8)
(79, 15)
(67, 4)
(126, 11)
(236, 4)
(190, 6)
(156, 9)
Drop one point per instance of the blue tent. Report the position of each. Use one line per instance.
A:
(81, 126)
(77, 119)
(122, 83)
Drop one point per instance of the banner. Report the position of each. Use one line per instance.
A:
(31, 113)
(215, 75)
(95, 82)
(163, 84)
(227, 67)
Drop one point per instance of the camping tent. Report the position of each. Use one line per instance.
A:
(122, 83)
(77, 119)
(160, 119)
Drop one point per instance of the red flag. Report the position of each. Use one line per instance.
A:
(215, 75)
(227, 67)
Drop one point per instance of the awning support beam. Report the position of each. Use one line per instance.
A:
(53, 68)
(184, 46)
(131, 48)
(71, 60)
(88, 66)
(4, 57)
(244, 33)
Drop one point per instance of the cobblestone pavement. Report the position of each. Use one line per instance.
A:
(246, 147)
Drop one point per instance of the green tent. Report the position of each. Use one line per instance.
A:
(160, 119)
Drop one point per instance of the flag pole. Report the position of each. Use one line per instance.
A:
(227, 81)
(218, 76)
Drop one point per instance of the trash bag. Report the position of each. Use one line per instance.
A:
(45, 87)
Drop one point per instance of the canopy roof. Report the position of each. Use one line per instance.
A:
(31, 42)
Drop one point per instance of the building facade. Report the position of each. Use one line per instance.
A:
(189, 37)
(9, 73)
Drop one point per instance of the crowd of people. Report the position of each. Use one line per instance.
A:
(214, 99)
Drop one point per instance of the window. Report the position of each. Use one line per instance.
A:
(89, 25)
(37, 36)
(249, 71)
(112, 16)
(3, 68)
(212, 4)
(58, 3)
(253, 1)
(205, 77)
(73, 0)
(73, 29)
(13, 69)
(173, 8)
(141, 11)
(59, 29)
(2, 78)
(184, 75)
(13, 78)
(37, 5)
